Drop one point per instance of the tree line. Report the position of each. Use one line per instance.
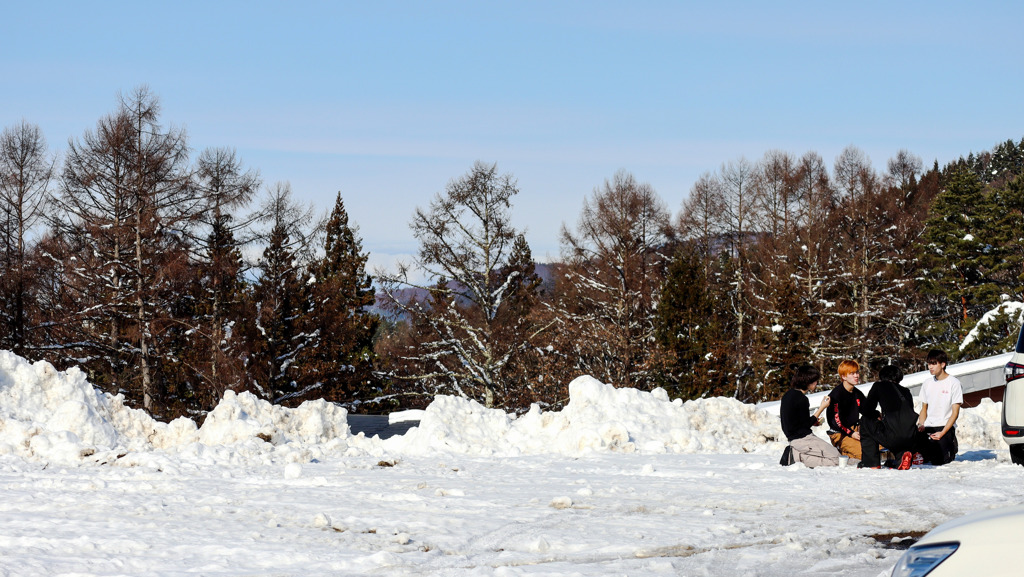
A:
(172, 279)
(127, 259)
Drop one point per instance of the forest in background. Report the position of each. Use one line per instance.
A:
(171, 277)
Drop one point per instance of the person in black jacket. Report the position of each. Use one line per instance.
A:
(797, 420)
(844, 410)
(888, 418)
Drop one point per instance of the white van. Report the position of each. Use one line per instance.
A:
(1013, 402)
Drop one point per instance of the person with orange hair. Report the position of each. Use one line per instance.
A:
(844, 411)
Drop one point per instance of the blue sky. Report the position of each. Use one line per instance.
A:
(387, 101)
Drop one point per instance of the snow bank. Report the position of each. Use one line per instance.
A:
(58, 417)
(239, 417)
(981, 427)
(598, 417)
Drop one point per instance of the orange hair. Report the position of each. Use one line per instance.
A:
(847, 367)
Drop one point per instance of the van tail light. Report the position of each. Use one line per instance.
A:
(1013, 371)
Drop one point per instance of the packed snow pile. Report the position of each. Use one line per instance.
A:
(980, 427)
(58, 417)
(597, 417)
(239, 417)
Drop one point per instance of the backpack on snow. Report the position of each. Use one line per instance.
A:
(787, 456)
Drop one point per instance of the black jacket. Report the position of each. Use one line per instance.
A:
(795, 413)
(897, 408)
(844, 410)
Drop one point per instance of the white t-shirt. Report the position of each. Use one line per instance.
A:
(940, 396)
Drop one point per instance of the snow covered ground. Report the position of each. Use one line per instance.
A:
(620, 482)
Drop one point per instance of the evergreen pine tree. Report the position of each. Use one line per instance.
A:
(219, 287)
(278, 299)
(1004, 239)
(957, 259)
(784, 344)
(340, 361)
(690, 333)
(996, 329)
(516, 322)
(1006, 161)
(221, 303)
(995, 332)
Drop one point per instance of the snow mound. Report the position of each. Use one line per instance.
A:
(243, 416)
(981, 427)
(598, 417)
(58, 417)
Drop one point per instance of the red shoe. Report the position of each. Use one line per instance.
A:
(905, 461)
(918, 459)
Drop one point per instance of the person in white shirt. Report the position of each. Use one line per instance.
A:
(941, 396)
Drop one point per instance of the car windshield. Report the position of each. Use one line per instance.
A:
(1020, 341)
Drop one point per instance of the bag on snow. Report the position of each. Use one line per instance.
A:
(787, 456)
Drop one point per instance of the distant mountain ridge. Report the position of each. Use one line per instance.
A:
(544, 270)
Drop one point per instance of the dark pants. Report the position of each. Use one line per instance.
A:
(942, 451)
(895, 433)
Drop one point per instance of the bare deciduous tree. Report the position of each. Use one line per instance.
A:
(25, 173)
(903, 170)
(615, 268)
(813, 263)
(701, 217)
(467, 242)
(862, 257)
(124, 207)
(775, 194)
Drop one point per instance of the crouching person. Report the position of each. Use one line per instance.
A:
(888, 418)
(797, 420)
(941, 397)
(844, 410)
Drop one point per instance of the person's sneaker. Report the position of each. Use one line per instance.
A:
(918, 459)
(905, 460)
